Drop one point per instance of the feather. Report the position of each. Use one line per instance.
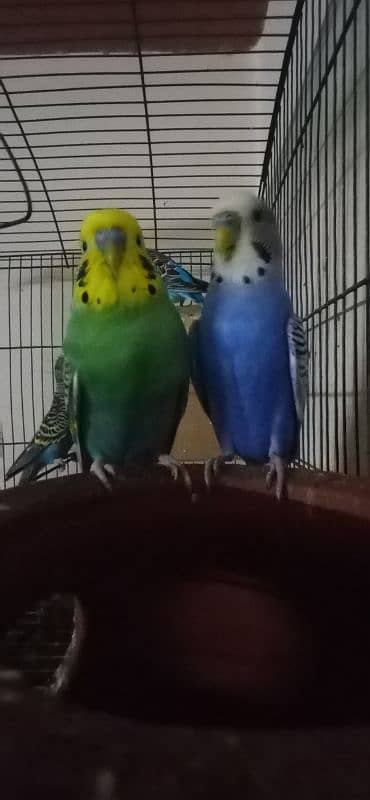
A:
(53, 439)
(180, 283)
(298, 362)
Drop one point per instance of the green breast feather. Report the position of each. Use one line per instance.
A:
(133, 369)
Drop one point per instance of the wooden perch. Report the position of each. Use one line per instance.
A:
(225, 605)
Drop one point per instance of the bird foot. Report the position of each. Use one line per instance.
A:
(176, 469)
(100, 470)
(212, 468)
(277, 470)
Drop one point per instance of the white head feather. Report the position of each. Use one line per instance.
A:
(256, 253)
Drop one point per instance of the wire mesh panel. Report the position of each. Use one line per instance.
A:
(316, 176)
(160, 133)
(38, 642)
(35, 296)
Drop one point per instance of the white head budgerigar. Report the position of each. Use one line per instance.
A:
(250, 362)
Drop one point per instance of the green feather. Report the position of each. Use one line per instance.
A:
(133, 367)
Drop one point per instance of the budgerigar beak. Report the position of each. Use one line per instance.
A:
(227, 232)
(111, 243)
(225, 239)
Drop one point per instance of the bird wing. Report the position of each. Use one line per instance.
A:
(189, 279)
(196, 371)
(177, 279)
(298, 362)
(54, 429)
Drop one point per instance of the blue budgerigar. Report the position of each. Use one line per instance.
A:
(181, 284)
(250, 360)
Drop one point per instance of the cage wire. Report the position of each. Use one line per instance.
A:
(316, 177)
(162, 134)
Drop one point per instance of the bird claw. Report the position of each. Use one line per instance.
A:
(276, 469)
(100, 470)
(212, 468)
(176, 469)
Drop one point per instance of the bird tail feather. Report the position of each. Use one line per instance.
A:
(26, 461)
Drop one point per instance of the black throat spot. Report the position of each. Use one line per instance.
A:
(83, 270)
(262, 252)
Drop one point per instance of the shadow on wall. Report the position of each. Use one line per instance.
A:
(195, 440)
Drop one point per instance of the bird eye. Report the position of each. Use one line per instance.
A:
(139, 241)
(84, 246)
(257, 215)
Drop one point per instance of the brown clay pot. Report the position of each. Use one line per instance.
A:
(225, 607)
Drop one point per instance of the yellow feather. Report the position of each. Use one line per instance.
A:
(135, 283)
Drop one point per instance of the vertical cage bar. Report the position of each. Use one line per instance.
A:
(10, 339)
(311, 340)
(31, 347)
(344, 251)
(367, 217)
(319, 287)
(305, 169)
(335, 250)
(355, 255)
(147, 118)
(20, 317)
(326, 241)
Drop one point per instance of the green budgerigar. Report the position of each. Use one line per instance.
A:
(127, 351)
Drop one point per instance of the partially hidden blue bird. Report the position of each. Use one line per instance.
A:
(249, 351)
(53, 440)
(181, 284)
(126, 352)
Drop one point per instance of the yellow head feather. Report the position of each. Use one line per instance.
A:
(132, 281)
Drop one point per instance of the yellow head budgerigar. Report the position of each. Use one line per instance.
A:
(126, 348)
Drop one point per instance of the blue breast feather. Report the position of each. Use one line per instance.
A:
(243, 364)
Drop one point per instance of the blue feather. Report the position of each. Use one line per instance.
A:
(241, 369)
(181, 284)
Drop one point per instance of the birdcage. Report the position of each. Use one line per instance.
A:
(157, 109)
